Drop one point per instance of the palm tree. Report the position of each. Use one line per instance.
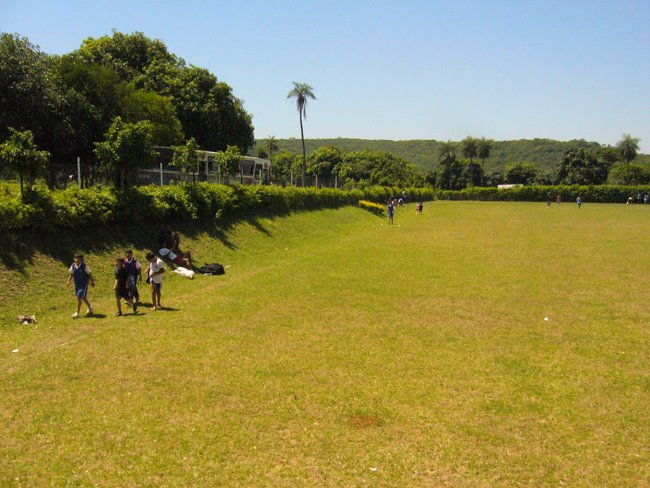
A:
(446, 157)
(484, 147)
(447, 152)
(302, 91)
(469, 147)
(271, 145)
(628, 147)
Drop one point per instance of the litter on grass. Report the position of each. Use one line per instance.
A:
(27, 319)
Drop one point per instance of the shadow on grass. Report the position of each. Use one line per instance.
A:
(19, 249)
(96, 316)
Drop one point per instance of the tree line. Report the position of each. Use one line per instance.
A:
(75, 104)
(459, 165)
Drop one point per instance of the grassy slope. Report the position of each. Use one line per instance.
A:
(336, 344)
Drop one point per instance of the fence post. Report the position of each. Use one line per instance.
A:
(79, 171)
(161, 175)
(316, 181)
(292, 178)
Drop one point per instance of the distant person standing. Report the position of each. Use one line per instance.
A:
(134, 271)
(549, 199)
(391, 211)
(80, 272)
(155, 271)
(558, 199)
(579, 201)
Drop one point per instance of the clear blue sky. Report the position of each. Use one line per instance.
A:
(395, 69)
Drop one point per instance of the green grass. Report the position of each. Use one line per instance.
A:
(338, 351)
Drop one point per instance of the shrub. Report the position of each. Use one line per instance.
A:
(375, 208)
(589, 193)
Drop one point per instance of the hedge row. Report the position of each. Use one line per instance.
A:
(96, 206)
(596, 194)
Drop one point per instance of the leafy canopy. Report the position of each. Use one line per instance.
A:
(126, 148)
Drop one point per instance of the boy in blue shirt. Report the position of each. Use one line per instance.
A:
(82, 276)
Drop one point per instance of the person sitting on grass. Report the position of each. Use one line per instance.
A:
(169, 247)
(121, 287)
(82, 276)
(177, 256)
(154, 272)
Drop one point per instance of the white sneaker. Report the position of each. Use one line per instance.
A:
(90, 311)
(75, 315)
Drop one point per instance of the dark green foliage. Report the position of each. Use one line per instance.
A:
(593, 194)
(635, 174)
(325, 162)
(22, 156)
(368, 168)
(105, 207)
(69, 102)
(545, 154)
(33, 97)
(581, 167)
(520, 173)
(127, 147)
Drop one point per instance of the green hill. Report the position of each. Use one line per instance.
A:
(545, 153)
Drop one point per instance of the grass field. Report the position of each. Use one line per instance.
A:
(338, 351)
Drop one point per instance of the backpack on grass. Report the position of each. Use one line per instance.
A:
(212, 269)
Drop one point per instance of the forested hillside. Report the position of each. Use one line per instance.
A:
(544, 153)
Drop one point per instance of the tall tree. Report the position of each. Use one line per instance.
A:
(22, 156)
(270, 145)
(446, 159)
(206, 107)
(628, 147)
(301, 92)
(469, 147)
(484, 147)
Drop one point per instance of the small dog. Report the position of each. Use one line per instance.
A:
(27, 319)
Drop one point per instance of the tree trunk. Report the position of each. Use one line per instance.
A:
(304, 156)
(482, 170)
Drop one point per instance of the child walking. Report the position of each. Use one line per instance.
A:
(80, 272)
(155, 271)
(121, 287)
(134, 272)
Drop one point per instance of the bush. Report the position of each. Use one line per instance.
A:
(589, 193)
(375, 208)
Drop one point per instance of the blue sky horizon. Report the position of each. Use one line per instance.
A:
(395, 70)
